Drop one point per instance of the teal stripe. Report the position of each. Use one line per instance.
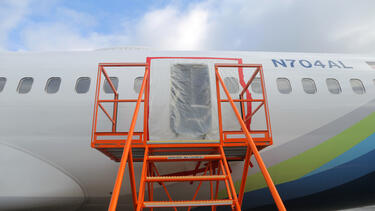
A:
(360, 149)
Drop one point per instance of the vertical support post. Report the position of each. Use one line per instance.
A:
(115, 107)
(96, 106)
(145, 103)
(231, 185)
(211, 184)
(150, 185)
(217, 184)
(265, 102)
(244, 175)
(219, 110)
(132, 179)
(226, 181)
(142, 187)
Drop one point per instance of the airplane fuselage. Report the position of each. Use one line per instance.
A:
(321, 110)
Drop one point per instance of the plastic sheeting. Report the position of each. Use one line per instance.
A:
(190, 100)
(187, 107)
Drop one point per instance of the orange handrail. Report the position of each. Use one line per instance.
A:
(142, 187)
(125, 154)
(231, 185)
(250, 141)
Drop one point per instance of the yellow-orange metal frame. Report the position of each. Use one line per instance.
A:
(139, 139)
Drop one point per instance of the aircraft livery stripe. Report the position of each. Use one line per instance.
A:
(317, 183)
(360, 149)
(304, 163)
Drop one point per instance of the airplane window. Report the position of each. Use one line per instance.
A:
(232, 85)
(138, 84)
(83, 85)
(2, 83)
(333, 86)
(25, 85)
(357, 86)
(309, 85)
(53, 85)
(256, 86)
(107, 87)
(283, 85)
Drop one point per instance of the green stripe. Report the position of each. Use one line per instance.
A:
(300, 165)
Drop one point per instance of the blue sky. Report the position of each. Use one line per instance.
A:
(335, 26)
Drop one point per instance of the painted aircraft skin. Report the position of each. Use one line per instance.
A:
(322, 142)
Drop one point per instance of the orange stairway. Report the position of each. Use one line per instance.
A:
(212, 157)
(216, 171)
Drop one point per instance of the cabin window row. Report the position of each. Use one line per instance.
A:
(82, 85)
(283, 85)
(333, 85)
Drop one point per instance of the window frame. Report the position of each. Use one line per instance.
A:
(47, 83)
(338, 83)
(361, 83)
(77, 82)
(20, 84)
(278, 87)
(313, 83)
(5, 82)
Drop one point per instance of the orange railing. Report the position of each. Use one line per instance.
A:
(99, 139)
(250, 141)
(125, 143)
(261, 137)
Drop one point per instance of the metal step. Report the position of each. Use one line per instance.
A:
(183, 157)
(138, 153)
(185, 178)
(197, 203)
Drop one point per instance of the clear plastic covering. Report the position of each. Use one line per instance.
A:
(187, 109)
(190, 100)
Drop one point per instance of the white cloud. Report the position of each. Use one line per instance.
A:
(270, 25)
(70, 31)
(307, 26)
(61, 36)
(357, 35)
(11, 14)
(173, 29)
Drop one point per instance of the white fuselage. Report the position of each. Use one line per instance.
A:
(45, 154)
